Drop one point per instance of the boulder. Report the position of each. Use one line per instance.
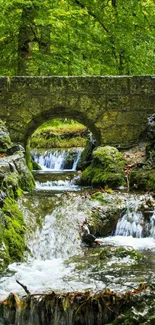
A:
(106, 169)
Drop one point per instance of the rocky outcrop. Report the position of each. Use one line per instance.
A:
(15, 178)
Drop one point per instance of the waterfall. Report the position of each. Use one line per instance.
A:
(130, 224)
(77, 159)
(59, 235)
(59, 159)
(136, 222)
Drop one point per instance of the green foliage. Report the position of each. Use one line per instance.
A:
(120, 252)
(77, 37)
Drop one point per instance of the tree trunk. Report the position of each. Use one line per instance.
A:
(26, 36)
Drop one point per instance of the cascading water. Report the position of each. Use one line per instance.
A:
(56, 160)
(136, 225)
(55, 259)
(53, 241)
(136, 222)
(132, 221)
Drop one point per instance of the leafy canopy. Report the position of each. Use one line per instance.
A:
(77, 37)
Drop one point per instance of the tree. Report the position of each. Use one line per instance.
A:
(77, 37)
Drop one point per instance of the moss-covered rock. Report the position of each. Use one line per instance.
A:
(105, 213)
(142, 179)
(15, 177)
(4, 254)
(12, 232)
(107, 168)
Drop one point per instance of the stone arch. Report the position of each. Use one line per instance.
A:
(115, 108)
(61, 112)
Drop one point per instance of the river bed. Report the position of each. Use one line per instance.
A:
(56, 259)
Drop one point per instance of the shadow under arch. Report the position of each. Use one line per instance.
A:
(61, 112)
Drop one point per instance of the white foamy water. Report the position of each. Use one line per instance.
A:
(66, 185)
(56, 239)
(54, 160)
(129, 241)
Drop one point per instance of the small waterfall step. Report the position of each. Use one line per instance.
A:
(57, 159)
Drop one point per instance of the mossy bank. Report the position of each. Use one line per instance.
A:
(15, 178)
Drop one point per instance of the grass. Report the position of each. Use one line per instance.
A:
(57, 127)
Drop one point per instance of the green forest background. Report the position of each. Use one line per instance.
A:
(77, 37)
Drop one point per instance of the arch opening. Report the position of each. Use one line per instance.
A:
(63, 139)
(62, 113)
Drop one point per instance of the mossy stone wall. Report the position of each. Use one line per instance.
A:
(115, 109)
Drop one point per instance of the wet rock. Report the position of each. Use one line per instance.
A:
(5, 141)
(105, 214)
(2, 197)
(69, 159)
(15, 148)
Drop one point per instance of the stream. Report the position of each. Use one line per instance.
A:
(55, 258)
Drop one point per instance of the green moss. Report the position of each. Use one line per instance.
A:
(107, 168)
(14, 230)
(98, 176)
(57, 142)
(27, 182)
(108, 157)
(11, 185)
(99, 196)
(151, 181)
(86, 156)
(132, 253)
(142, 179)
(28, 157)
(120, 252)
(107, 178)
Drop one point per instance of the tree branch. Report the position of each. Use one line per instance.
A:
(24, 287)
(91, 14)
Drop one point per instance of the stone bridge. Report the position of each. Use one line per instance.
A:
(115, 109)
